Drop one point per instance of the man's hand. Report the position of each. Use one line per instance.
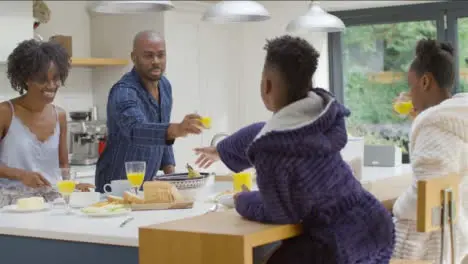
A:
(206, 156)
(169, 169)
(33, 179)
(190, 125)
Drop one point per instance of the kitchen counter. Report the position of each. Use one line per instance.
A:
(38, 229)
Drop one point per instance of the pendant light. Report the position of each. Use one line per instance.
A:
(236, 11)
(130, 7)
(316, 20)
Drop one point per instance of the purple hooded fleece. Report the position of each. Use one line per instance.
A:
(302, 178)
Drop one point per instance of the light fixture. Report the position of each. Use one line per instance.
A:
(130, 7)
(236, 11)
(316, 20)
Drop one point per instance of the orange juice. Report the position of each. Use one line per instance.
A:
(136, 178)
(66, 187)
(242, 178)
(206, 121)
(403, 108)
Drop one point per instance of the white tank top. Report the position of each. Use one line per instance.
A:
(21, 149)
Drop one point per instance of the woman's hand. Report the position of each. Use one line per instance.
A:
(207, 156)
(33, 179)
(84, 187)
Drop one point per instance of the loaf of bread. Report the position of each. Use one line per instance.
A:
(131, 198)
(115, 199)
(161, 192)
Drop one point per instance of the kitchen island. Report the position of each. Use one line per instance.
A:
(52, 237)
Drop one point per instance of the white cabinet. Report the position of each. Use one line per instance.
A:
(16, 25)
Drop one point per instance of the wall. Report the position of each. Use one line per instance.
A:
(67, 18)
(111, 37)
(253, 36)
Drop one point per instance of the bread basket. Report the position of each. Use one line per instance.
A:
(182, 181)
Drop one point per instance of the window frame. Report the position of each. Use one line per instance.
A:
(445, 14)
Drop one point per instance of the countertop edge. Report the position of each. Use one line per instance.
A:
(64, 236)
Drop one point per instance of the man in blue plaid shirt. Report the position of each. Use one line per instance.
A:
(139, 113)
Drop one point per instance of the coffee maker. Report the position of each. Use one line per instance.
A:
(84, 136)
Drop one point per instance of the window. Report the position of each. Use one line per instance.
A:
(462, 32)
(375, 61)
(370, 60)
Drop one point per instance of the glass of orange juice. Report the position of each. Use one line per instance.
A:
(206, 121)
(135, 173)
(65, 185)
(240, 179)
(403, 107)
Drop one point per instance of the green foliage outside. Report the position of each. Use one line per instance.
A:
(391, 47)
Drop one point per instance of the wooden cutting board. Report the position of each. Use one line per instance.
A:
(162, 206)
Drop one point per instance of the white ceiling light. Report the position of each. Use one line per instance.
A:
(316, 20)
(130, 7)
(236, 11)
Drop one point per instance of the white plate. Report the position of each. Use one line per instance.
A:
(13, 208)
(107, 214)
(227, 200)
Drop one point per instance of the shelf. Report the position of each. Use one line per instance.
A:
(98, 62)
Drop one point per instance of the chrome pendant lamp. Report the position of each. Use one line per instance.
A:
(316, 20)
(130, 7)
(236, 11)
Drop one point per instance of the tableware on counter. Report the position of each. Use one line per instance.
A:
(109, 210)
(14, 209)
(135, 173)
(64, 179)
(128, 220)
(117, 187)
(182, 181)
(242, 181)
(83, 199)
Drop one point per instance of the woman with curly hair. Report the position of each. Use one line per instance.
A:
(33, 131)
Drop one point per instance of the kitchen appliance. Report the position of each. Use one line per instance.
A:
(85, 137)
(353, 154)
(382, 156)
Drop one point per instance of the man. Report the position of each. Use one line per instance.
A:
(138, 115)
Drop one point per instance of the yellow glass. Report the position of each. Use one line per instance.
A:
(206, 121)
(136, 179)
(403, 108)
(240, 179)
(66, 187)
(135, 173)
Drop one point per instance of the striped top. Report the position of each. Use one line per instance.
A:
(137, 126)
(303, 179)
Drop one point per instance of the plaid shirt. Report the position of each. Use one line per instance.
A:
(137, 126)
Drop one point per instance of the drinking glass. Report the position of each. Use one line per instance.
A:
(65, 184)
(242, 180)
(135, 173)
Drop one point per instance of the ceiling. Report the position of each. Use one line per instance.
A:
(338, 5)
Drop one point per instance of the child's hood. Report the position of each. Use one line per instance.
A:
(311, 126)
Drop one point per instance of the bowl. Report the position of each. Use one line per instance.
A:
(182, 181)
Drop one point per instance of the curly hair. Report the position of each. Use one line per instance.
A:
(30, 61)
(296, 60)
(436, 58)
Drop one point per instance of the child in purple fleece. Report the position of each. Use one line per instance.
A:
(301, 175)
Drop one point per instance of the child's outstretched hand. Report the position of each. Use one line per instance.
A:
(206, 156)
